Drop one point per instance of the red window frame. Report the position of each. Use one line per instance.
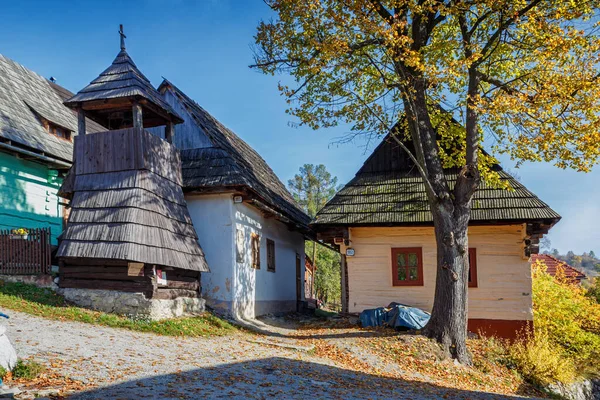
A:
(472, 267)
(396, 251)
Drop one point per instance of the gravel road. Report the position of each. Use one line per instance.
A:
(129, 365)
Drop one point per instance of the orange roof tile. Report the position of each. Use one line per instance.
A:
(553, 264)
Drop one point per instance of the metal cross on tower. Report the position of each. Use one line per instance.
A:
(122, 34)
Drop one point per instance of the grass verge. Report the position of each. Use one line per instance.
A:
(48, 304)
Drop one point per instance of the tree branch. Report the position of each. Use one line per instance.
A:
(502, 28)
(383, 13)
(420, 168)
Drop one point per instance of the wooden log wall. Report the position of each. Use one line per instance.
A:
(114, 275)
(180, 283)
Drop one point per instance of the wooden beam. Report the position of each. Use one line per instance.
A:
(169, 132)
(160, 112)
(124, 286)
(138, 121)
(80, 121)
(169, 294)
(125, 102)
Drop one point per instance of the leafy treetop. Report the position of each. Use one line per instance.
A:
(534, 64)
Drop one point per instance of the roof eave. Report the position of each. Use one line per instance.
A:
(40, 156)
(277, 211)
(550, 222)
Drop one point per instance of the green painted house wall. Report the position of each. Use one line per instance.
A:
(28, 196)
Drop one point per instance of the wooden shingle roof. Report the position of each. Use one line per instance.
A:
(120, 80)
(127, 202)
(387, 190)
(91, 126)
(25, 97)
(231, 162)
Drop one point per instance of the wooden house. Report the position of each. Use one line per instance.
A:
(249, 225)
(129, 229)
(554, 265)
(36, 133)
(382, 224)
(310, 270)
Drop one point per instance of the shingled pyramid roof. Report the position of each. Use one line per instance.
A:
(122, 79)
(388, 191)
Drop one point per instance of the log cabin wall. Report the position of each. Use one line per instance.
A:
(180, 283)
(503, 289)
(116, 275)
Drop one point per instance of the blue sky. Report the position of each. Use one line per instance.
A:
(204, 47)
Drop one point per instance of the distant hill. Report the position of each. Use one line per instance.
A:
(587, 263)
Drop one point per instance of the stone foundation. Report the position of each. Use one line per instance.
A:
(133, 304)
(43, 281)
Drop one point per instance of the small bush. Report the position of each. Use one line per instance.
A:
(3, 372)
(540, 361)
(566, 343)
(27, 369)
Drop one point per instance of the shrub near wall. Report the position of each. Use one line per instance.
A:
(566, 344)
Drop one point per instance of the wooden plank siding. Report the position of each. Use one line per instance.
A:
(124, 150)
(504, 275)
(28, 196)
(20, 256)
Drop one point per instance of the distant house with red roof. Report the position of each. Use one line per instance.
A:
(553, 264)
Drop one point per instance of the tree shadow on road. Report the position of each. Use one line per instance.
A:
(277, 377)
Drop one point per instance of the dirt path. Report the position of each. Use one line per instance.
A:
(126, 365)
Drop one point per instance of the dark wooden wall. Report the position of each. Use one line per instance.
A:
(113, 275)
(126, 149)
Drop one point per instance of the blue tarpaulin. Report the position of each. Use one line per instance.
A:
(395, 315)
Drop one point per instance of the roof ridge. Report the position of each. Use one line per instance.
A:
(223, 138)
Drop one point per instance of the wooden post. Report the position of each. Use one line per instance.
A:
(138, 122)
(80, 121)
(344, 283)
(169, 132)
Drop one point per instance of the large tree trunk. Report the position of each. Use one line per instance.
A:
(449, 315)
(448, 323)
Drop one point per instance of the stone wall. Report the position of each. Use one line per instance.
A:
(133, 304)
(44, 281)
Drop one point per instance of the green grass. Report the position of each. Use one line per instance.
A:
(27, 369)
(323, 313)
(48, 304)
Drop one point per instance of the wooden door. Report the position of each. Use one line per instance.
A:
(298, 282)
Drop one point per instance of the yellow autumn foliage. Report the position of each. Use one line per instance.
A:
(566, 343)
(539, 361)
